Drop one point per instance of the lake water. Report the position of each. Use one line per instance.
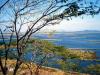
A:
(83, 40)
(80, 40)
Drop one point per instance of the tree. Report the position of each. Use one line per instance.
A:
(4, 3)
(34, 15)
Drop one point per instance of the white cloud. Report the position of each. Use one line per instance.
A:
(77, 24)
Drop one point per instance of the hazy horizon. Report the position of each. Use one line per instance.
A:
(77, 24)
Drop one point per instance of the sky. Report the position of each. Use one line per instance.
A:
(77, 24)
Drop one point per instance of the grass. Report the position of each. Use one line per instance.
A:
(25, 69)
(83, 55)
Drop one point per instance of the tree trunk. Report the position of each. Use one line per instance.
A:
(18, 63)
(4, 69)
(37, 70)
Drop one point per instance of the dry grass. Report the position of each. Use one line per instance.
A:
(3, 47)
(27, 68)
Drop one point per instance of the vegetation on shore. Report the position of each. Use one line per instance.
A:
(83, 55)
(60, 50)
(51, 51)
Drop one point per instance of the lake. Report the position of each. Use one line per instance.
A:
(78, 40)
(87, 40)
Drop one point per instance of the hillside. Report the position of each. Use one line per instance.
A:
(30, 68)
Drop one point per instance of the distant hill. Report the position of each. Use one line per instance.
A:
(92, 31)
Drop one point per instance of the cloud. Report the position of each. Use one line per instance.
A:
(77, 24)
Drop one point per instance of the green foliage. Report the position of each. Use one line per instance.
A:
(76, 8)
(1, 53)
(64, 53)
(47, 47)
(93, 69)
(69, 66)
(42, 48)
(1, 43)
(63, 64)
(14, 42)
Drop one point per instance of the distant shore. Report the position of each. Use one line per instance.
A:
(83, 54)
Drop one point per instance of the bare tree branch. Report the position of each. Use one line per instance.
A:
(4, 4)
